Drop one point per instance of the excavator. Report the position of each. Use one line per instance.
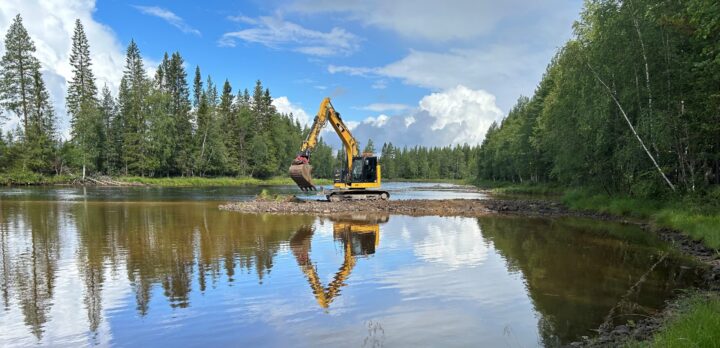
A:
(360, 236)
(358, 180)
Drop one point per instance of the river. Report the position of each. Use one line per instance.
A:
(164, 267)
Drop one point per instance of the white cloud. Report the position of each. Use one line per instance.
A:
(352, 71)
(409, 120)
(379, 84)
(461, 105)
(284, 106)
(454, 116)
(376, 122)
(436, 21)
(464, 247)
(274, 32)
(509, 71)
(169, 17)
(51, 23)
(382, 107)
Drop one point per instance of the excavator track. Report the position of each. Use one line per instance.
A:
(357, 195)
(302, 175)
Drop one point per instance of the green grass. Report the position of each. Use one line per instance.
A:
(699, 219)
(444, 181)
(697, 216)
(696, 323)
(521, 189)
(210, 182)
(21, 178)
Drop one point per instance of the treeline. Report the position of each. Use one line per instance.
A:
(160, 126)
(448, 162)
(153, 127)
(418, 162)
(630, 105)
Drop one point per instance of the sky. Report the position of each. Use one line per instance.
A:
(410, 72)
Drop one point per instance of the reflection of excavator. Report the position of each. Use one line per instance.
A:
(359, 235)
(361, 173)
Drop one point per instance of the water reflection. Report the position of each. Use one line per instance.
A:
(359, 235)
(167, 272)
(577, 273)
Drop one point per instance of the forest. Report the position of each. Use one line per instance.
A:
(630, 105)
(160, 127)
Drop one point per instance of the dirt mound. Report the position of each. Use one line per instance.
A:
(461, 207)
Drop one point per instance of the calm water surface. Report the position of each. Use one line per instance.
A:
(164, 267)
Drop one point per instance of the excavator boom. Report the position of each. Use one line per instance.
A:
(360, 173)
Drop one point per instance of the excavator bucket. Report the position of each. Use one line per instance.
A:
(301, 174)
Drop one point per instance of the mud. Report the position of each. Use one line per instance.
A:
(613, 336)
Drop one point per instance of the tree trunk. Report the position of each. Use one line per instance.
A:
(632, 128)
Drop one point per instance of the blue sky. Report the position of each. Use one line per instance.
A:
(411, 72)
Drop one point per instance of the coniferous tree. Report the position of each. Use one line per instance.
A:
(40, 138)
(132, 99)
(82, 105)
(177, 88)
(108, 113)
(18, 67)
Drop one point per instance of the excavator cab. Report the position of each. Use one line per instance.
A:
(364, 170)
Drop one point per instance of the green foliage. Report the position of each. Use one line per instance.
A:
(653, 62)
(695, 323)
(696, 216)
(18, 67)
(446, 163)
(213, 182)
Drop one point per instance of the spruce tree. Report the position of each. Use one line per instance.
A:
(228, 117)
(197, 87)
(108, 113)
(180, 110)
(18, 67)
(82, 105)
(40, 138)
(132, 99)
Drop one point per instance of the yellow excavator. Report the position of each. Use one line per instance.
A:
(358, 180)
(360, 236)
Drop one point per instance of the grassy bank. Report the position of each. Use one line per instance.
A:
(29, 178)
(209, 182)
(443, 181)
(696, 216)
(695, 323)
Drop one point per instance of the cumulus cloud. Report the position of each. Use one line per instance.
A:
(285, 106)
(453, 116)
(51, 23)
(509, 70)
(276, 33)
(169, 17)
(376, 122)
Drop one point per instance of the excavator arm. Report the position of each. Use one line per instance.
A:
(300, 170)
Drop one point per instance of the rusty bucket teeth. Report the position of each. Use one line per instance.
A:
(302, 175)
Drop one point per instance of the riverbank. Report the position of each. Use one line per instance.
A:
(214, 182)
(690, 223)
(34, 179)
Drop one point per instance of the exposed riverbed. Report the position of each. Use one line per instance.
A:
(166, 267)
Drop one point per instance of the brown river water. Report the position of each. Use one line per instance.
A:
(145, 267)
